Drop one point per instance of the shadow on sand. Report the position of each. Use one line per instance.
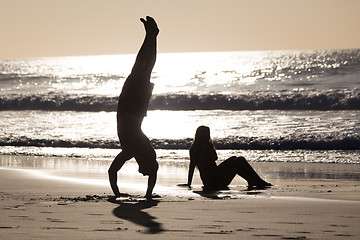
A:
(132, 211)
(228, 193)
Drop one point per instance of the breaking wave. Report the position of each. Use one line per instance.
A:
(258, 100)
(345, 143)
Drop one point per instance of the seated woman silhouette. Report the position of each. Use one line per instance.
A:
(203, 156)
(132, 107)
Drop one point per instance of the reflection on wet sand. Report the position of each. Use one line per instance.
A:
(318, 180)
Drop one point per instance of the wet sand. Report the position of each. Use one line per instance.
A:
(56, 198)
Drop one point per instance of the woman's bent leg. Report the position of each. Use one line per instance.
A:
(227, 170)
(238, 165)
(249, 174)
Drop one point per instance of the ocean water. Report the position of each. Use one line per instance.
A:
(279, 106)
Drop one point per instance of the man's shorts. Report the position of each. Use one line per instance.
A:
(135, 143)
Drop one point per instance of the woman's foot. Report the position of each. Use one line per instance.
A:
(259, 185)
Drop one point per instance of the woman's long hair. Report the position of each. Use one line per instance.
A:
(202, 136)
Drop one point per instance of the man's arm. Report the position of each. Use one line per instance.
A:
(151, 184)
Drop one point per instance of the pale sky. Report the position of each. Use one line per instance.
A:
(41, 28)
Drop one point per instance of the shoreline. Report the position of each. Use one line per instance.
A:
(309, 180)
(304, 180)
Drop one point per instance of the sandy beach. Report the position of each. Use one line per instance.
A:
(66, 202)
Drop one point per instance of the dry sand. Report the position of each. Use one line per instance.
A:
(36, 206)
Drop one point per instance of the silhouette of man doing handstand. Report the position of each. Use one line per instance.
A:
(132, 107)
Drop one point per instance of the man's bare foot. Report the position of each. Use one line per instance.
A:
(150, 197)
(150, 25)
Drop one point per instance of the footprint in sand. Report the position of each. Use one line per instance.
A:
(6, 227)
(55, 220)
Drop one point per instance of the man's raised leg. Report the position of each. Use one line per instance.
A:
(146, 57)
